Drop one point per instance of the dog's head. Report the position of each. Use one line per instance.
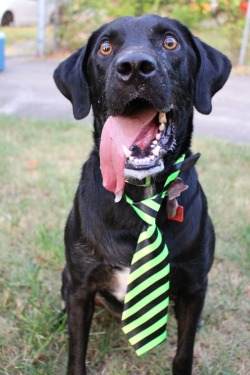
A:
(142, 77)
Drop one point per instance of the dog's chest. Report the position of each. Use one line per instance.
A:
(120, 282)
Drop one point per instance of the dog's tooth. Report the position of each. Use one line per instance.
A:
(162, 127)
(156, 151)
(126, 151)
(152, 157)
(162, 117)
(131, 158)
(158, 136)
(155, 142)
(118, 196)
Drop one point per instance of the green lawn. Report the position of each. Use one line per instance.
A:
(39, 172)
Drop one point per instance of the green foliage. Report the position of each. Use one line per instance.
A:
(77, 20)
(189, 15)
(230, 19)
(230, 9)
(80, 17)
(132, 8)
(233, 33)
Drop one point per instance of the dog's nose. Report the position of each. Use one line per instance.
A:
(136, 65)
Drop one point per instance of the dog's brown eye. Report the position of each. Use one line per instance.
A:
(170, 42)
(106, 48)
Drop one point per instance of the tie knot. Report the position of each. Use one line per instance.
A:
(148, 208)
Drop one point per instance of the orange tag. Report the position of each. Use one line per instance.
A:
(179, 216)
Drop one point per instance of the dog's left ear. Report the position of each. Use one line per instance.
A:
(213, 71)
(70, 80)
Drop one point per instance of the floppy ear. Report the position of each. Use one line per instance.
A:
(214, 69)
(70, 80)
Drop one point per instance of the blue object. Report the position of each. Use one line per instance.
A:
(2, 43)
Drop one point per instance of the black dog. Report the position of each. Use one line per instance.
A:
(133, 71)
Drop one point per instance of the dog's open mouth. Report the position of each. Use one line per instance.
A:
(144, 157)
(133, 144)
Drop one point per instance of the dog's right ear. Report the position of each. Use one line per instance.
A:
(213, 72)
(70, 80)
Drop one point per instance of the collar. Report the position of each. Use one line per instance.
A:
(145, 182)
(188, 162)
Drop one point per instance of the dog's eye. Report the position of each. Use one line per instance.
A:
(106, 48)
(170, 42)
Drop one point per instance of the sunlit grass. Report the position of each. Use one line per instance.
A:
(14, 34)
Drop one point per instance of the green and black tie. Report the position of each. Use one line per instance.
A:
(145, 312)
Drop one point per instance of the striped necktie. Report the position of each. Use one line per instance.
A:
(145, 311)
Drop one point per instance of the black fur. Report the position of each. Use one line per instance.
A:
(101, 235)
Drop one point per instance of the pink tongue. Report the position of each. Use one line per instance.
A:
(119, 131)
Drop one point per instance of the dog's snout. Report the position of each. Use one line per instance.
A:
(136, 65)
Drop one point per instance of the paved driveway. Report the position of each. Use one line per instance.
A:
(27, 89)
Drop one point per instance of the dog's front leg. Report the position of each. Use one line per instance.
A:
(188, 311)
(80, 309)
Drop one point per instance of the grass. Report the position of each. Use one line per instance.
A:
(23, 33)
(39, 172)
(23, 40)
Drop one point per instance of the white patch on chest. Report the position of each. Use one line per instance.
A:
(120, 283)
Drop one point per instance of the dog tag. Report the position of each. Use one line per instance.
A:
(172, 205)
(174, 211)
(178, 213)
